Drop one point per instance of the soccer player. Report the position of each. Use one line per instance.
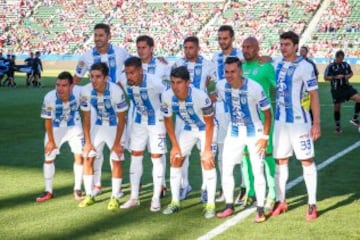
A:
(226, 38)
(264, 74)
(29, 62)
(108, 102)
(60, 110)
(202, 74)
(114, 57)
(296, 90)
(194, 107)
(147, 128)
(37, 69)
(339, 73)
(244, 99)
(154, 66)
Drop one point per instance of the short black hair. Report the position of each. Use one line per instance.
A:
(66, 76)
(181, 72)
(193, 39)
(290, 35)
(145, 38)
(103, 67)
(230, 60)
(104, 26)
(133, 62)
(306, 48)
(339, 53)
(227, 28)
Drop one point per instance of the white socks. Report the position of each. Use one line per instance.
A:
(210, 182)
(98, 162)
(227, 182)
(116, 186)
(49, 172)
(185, 173)
(281, 177)
(78, 172)
(136, 171)
(310, 178)
(175, 182)
(158, 177)
(88, 184)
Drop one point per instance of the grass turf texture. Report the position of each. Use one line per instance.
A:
(21, 157)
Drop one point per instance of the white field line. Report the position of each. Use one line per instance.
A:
(243, 214)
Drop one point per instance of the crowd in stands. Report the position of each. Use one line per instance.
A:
(59, 26)
(338, 28)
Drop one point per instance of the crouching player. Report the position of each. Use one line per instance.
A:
(60, 110)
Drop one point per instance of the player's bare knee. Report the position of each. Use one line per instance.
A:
(49, 161)
(282, 161)
(156, 155)
(307, 162)
(137, 153)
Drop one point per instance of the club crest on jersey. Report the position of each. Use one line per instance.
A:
(243, 100)
(198, 70)
(112, 63)
(108, 105)
(144, 96)
(290, 71)
(255, 72)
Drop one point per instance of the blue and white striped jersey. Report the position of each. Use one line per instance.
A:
(244, 105)
(191, 111)
(62, 114)
(294, 80)
(105, 105)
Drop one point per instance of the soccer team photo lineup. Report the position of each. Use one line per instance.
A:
(238, 113)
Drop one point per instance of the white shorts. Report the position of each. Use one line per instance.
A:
(289, 138)
(153, 136)
(101, 135)
(222, 119)
(73, 135)
(187, 139)
(234, 147)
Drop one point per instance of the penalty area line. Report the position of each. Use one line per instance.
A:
(247, 212)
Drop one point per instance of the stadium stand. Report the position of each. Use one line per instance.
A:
(65, 27)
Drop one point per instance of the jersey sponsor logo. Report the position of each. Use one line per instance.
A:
(312, 82)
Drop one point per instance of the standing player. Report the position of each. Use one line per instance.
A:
(296, 86)
(109, 103)
(154, 66)
(244, 98)
(339, 73)
(147, 128)
(264, 74)
(114, 57)
(202, 74)
(194, 107)
(60, 110)
(226, 38)
(37, 69)
(29, 62)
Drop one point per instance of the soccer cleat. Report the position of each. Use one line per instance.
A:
(355, 122)
(130, 203)
(44, 197)
(113, 204)
(163, 191)
(155, 205)
(209, 211)
(338, 130)
(184, 192)
(280, 207)
(260, 216)
(173, 207)
(269, 206)
(78, 195)
(248, 202)
(97, 190)
(204, 195)
(228, 211)
(88, 201)
(311, 212)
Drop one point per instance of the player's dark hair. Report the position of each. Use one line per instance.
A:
(103, 67)
(66, 76)
(227, 28)
(104, 26)
(145, 38)
(231, 60)
(339, 53)
(294, 38)
(181, 72)
(192, 39)
(133, 62)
